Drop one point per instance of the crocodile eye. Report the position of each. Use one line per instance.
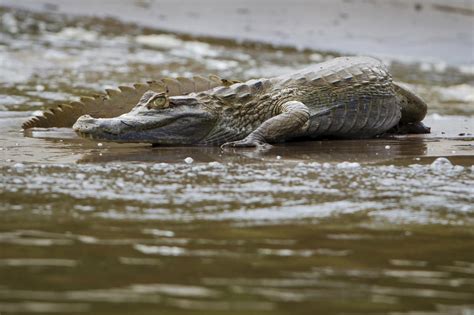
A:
(157, 103)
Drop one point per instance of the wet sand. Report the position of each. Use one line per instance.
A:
(452, 136)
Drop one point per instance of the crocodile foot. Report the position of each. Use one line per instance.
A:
(248, 142)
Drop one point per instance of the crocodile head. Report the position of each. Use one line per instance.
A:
(156, 119)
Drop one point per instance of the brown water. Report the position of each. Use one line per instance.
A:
(383, 226)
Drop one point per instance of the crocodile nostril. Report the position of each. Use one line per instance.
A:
(86, 119)
(85, 123)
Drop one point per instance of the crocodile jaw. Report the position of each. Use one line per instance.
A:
(168, 129)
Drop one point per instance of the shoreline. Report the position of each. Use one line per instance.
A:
(450, 138)
(403, 30)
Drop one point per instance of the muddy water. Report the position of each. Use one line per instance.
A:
(381, 226)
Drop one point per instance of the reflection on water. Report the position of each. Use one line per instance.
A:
(382, 226)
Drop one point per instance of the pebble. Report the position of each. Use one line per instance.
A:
(188, 160)
(441, 163)
(159, 166)
(387, 147)
(458, 168)
(345, 165)
(315, 164)
(99, 144)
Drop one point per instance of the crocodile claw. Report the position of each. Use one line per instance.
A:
(246, 143)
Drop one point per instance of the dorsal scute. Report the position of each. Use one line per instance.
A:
(256, 86)
(115, 102)
(187, 85)
(173, 86)
(341, 76)
(140, 86)
(241, 88)
(112, 92)
(215, 80)
(341, 71)
(201, 83)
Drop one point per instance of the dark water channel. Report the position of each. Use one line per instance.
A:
(383, 226)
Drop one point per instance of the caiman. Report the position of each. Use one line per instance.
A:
(347, 97)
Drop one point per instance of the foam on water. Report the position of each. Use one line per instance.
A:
(463, 93)
(282, 194)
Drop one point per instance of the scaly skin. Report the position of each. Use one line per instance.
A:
(348, 97)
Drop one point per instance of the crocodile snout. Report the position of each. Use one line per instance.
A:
(85, 124)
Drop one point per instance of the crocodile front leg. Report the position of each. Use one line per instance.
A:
(292, 119)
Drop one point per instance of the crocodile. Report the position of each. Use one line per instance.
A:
(346, 97)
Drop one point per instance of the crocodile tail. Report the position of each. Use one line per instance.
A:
(413, 108)
(117, 102)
